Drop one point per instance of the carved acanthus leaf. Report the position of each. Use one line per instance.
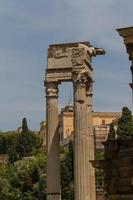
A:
(52, 91)
(82, 77)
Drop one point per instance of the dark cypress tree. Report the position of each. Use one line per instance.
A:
(24, 126)
(125, 125)
(112, 133)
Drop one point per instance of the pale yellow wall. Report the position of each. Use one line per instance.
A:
(98, 117)
(66, 123)
(97, 121)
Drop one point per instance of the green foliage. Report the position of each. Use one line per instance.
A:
(99, 171)
(67, 170)
(28, 144)
(125, 125)
(112, 133)
(2, 171)
(100, 155)
(19, 145)
(24, 125)
(25, 179)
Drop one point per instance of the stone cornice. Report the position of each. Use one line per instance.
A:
(127, 34)
(96, 114)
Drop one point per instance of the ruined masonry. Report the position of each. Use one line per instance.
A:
(71, 62)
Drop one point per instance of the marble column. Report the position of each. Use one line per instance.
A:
(53, 156)
(91, 148)
(81, 141)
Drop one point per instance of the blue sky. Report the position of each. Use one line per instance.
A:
(27, 28)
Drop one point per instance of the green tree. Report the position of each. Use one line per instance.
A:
(29, 143)
(67, 170)
(112, 133)
(125, 125)
(24, 125)
(25, 179)
(19, 145)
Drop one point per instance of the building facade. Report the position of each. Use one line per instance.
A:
(101, 122)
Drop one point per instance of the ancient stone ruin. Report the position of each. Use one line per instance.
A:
(118, 163)
(71, 62)
(118, 169)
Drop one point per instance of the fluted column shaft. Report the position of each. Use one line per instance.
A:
(53, 157)
(81, 142)
(91, 149)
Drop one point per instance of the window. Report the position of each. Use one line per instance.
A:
(103, 121)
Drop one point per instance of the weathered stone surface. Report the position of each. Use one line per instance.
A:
(71, 62)
(81, 140)
(119, 168)
(53, 157)
(127, 34)
(121, 197)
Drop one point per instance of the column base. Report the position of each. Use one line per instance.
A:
(53, 196)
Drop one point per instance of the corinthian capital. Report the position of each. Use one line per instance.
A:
(82, 77)
(51, 89)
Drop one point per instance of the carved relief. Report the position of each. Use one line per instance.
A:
(83, 84)
(82, 77)
(58, 52)
(77, 56)
(83, 53)
(92, 50)
(52, 91)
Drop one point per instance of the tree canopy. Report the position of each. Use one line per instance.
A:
(67, 176)
(25, 179)
(112, 132)
(125, 125)
(19, 145)
(24, 125)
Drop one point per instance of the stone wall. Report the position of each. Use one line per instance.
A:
(119, 169)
